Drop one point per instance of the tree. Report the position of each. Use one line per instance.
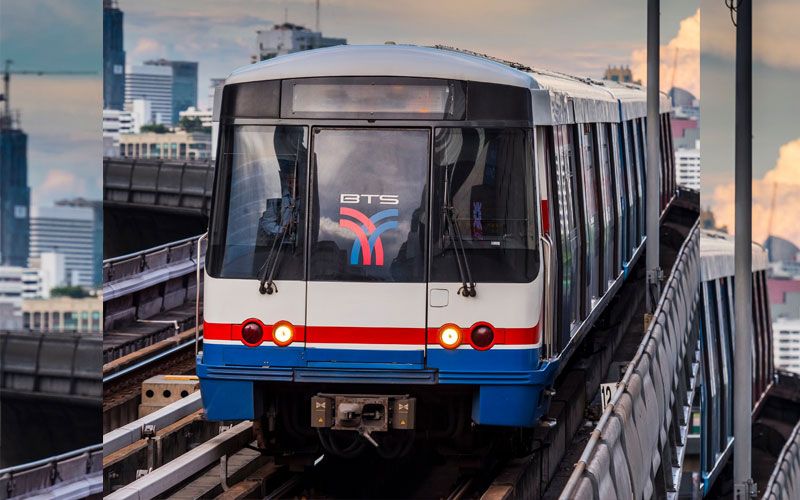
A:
(75, 292)
(193, 125)
(158, 128)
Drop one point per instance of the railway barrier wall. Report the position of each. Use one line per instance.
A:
(58, 365)
(140, 285)
(163, 184)
(785, 479)
(637, 447)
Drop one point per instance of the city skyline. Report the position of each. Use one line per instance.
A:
(222, 38)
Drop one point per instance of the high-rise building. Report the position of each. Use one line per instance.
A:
(184, 84)
(687, 167)
(113, 56)
(70, 231)
(786, 344)
(287, 38)
(14, 192)
(153, 84)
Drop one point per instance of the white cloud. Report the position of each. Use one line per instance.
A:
(680, 58)
(781, 182)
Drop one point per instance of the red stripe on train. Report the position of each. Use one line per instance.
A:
(371, 335)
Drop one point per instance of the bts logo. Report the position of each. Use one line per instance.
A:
(368, 231)
(383, 199)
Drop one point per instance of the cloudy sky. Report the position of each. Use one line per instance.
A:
(62, 115)
(575, 36)
(776, 127)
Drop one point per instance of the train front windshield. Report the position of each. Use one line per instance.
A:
(362, 204)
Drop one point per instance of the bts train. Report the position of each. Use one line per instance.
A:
(714, 402)
(411, 240)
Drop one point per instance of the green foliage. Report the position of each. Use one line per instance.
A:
(75, 292)
(193, 125)
(157, 128)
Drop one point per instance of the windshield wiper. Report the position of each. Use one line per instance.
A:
(467, 284)
(266, 284)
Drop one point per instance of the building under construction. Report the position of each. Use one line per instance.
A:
(14, 191)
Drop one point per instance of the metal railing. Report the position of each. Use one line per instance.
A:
(75, 474)
(637, 448)
(785, 479)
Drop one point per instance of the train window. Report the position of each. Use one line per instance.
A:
(622, 197)
(565, 213)
(485, 178)
(369, 197)
(638, 129)
(726, 359)
(711, 364)
(591, 217)
(264, 169)
(629, 168)
(606, 195)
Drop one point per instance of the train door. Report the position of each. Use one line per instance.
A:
(587, 181)
(367, 246)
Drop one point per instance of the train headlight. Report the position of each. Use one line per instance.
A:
(482, 336)
(252, 334)
(283, 333)
(450, 336)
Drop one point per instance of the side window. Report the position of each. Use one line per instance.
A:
(606, 197)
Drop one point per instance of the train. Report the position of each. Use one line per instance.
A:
(411, 241)
(712, 417)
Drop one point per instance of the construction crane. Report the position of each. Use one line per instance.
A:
(7, 72)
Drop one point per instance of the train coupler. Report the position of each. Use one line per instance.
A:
(363, 413)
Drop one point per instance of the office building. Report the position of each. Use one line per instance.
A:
(14, 192)
(184, 84)
(178, 145)
(63, 314)
(287, 38)
(113, 56)
(115, 122)
(71, 231)
(96, 207)
(786, 344)
(784, 298)
(11, 297)
(687, 167)
(154, 84)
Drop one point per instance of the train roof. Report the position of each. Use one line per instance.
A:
(717, 259)
(557, 98)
